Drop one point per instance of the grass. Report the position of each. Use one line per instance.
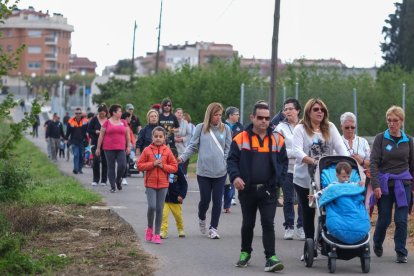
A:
(49, 185)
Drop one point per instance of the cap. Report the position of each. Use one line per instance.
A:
(129, 106)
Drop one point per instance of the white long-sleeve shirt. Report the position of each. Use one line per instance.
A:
(286, 130)
(313, 146)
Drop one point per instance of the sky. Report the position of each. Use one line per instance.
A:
(349, 30)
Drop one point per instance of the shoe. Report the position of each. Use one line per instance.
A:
(243, 260)
(302, 258)
(156, 239)
(75, 172)
(80, 172)
(273, 264)
(124, 181)
(164, 235)
(227, 211)
(181, 233)
(401, 259)
(202, 224)
(103, 183)
(233, 201)
(300, 233)
(212, 234)
(289, 232)
(148, 234)
(278, 204)
(112, 190)
(119, 186)
(378, 251)
(94, 183)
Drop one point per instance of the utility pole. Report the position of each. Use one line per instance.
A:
(133, 51)
(273, 64)
(157, 59)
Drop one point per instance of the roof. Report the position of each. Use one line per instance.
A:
(82, 63)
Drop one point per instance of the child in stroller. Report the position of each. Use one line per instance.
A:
(343, 222)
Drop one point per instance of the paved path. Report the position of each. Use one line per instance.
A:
(198, 255)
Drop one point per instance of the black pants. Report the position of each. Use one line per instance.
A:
(251, 199)
(308, 212)
(118, 157)
(96, 167)
(211, 189)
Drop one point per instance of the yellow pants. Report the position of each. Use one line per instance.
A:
(176, 209)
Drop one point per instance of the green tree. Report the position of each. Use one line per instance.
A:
(124, 66)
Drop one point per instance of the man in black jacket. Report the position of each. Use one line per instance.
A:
(76, 135)
(54, 132)
(257, 164)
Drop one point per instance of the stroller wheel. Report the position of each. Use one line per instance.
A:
(365, 264)
(308, 252)
(331, 264)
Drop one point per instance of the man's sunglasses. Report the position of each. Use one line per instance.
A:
(261, 118)
(349, 127)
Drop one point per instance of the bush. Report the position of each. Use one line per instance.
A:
(13, 180)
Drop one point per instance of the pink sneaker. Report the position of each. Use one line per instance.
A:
(148, 234)
(156, 239)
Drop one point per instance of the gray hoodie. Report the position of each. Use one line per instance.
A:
(210, 162)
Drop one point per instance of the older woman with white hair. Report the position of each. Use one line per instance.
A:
(357, 146)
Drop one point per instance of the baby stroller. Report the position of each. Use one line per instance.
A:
(132, 164)
(331, 246)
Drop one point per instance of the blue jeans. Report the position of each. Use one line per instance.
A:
(385, 204)
(77, 151)
(288, 204)
(210, 188)
(229, 192)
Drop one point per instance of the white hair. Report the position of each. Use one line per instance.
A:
(348, 116)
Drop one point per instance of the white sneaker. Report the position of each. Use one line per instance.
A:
(202, 224)
(212, 234)
(233, 201)
(300, 234)
(289, 234)
(302, 258)
(94, 183)
(103, 183)
(124, 181)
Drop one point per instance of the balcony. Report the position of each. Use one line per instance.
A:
(51, 40)
(51, 71)
(51, 56)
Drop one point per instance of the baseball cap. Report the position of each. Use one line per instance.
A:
(129, 106)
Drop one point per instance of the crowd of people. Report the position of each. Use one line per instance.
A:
(255, 160)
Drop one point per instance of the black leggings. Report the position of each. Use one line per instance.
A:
(308, 213)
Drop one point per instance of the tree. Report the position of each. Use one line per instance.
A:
(123, 67)
(398, 45)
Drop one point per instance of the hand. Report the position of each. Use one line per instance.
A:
(179, 160)
(128, 150)
(239, 183)
(98, 152)
(97, 131)
(378, 193)
(357, 158)
(157, 163)
(180, 199)
(361, 183)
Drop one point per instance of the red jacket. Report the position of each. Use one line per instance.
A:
(155, 177)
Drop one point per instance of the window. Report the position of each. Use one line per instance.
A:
(34, 33)
(9, 48)
(34, 65)
(34, 49)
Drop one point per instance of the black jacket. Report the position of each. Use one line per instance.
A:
(145, 137)
(54, 130)
(240, 158)
(93, 126)
(76, 131)
(178, 186)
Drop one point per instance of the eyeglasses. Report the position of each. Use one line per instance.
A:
(317, 109)
(393, 121)
(349, 127)
(261, 118)
(167, 105)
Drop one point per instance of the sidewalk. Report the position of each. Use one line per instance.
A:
(198, 255)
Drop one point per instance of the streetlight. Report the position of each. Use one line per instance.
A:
(33, 75)
(83, 73)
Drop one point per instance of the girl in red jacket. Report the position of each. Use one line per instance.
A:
(158, 162)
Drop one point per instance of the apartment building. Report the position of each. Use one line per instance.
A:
(47, 39)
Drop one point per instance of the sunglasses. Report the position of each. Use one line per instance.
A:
(167, 105)
(393, 120)
(349, 127)
(261, 118)
(317, 109)
(78, 113)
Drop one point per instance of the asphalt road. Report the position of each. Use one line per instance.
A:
(198, 255)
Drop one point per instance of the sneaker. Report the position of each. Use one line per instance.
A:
(212, 233)
(80, 172)
(112, 190)
(202, 224)
(227, 211)
(289, 232)
(103, 183)
(124, 181)
(300, 233)
(148, 234)
(243, 260)
(401, 259)
(181, 233)
(233, 201)
(94, 183)
(156, 239)
(302, 258)
(273, 264)
(378, 251)
(164, 235)
(75, 172)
